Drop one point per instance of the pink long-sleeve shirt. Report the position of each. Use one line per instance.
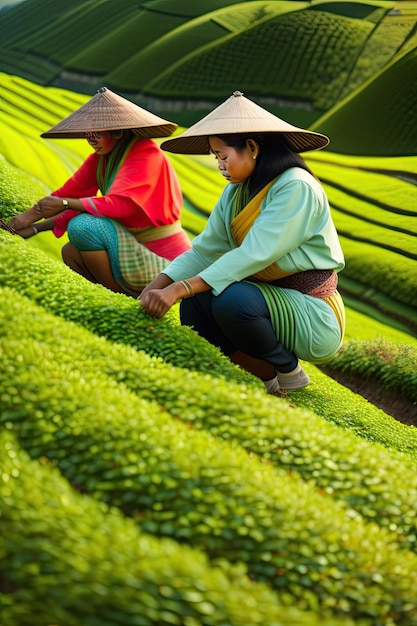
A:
(145, 191)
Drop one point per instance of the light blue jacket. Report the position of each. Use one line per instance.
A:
(294, 229)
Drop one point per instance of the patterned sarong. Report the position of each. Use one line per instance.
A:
(133, 265)
(138, 265)
(313, 328)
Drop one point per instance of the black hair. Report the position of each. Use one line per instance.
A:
(275, 156)
(127, 133)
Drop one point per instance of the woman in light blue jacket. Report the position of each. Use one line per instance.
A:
(260, 281)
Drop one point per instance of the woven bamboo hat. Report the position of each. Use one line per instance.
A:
(109, 111)
(238, 114)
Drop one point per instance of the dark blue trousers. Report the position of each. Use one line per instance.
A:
(237, 320)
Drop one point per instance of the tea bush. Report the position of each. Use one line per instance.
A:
(115, 316)
(67, 559)
(392, 366)
(364, 476)
(64, 293)
(17, 191)
(187, 485)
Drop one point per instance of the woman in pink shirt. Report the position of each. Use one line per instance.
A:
(122, 207)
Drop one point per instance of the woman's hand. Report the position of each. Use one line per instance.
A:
(21, 221)
(32, 230)
(157, 302)
(161, 294)
(50, 206)
(47, 207)
(27, 232)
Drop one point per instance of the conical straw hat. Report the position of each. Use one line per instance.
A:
(238, 114)
(109, 111)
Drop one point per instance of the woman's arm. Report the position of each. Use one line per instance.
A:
(30, 231)
(40, 227)
(53, 205)
(47, 207)
(161, 281)
(82, 183)
(24, 219)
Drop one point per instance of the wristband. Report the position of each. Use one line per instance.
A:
(188, 288)
(65, 203)
(35, 230)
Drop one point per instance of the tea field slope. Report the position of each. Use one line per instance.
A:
(182, 478)
(162, 56)
(389, 129)
(97, 566)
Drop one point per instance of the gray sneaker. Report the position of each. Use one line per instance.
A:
(291, 381)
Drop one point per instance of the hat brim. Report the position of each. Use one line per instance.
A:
(239, 115)
(108, 111)
(299, 141)
(162, 130)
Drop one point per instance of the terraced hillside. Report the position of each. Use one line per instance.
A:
(163, 56)
(146, 480)
(378, 133)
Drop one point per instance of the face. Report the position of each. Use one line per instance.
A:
(103, 141)
(236, 165)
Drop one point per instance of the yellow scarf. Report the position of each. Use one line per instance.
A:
(242, 224)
